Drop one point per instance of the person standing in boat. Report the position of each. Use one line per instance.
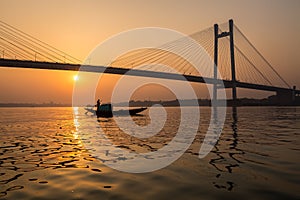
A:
(98, 104)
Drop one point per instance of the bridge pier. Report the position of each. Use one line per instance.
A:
(285, 97)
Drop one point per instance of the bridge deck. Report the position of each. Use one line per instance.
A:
(133, 72)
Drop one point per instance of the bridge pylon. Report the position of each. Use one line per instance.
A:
(217, 36)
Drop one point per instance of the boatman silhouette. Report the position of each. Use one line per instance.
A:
(98, 104)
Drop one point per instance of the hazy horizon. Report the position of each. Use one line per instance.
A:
(77, 27)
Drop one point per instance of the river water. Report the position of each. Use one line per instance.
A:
(42, 156)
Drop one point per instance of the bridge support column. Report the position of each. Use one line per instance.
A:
(215, 86)
(233, 78)
(294, 93)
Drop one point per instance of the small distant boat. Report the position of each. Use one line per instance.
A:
(105, 110)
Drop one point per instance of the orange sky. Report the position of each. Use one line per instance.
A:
(76, 27)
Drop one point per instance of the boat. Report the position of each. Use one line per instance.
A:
(105, 110)
(133, 111)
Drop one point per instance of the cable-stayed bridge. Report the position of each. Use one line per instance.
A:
(239, 63)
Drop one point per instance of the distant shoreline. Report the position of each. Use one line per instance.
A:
(170, 103)
(33, 105)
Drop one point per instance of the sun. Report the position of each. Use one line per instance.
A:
(75, 78)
